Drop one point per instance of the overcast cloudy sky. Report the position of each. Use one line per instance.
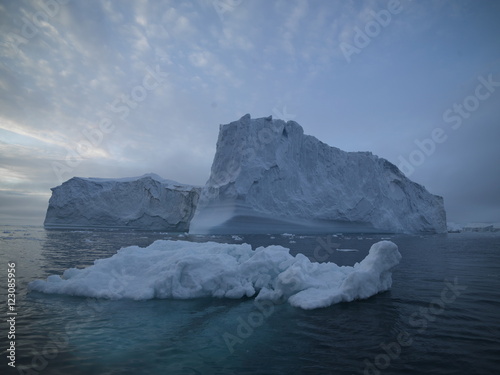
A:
(122, 88)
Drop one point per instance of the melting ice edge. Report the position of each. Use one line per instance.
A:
(183, 270)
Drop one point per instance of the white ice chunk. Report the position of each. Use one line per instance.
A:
(181, 269)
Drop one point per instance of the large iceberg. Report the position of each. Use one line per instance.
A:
(147, 202)
(181, 269)
(268, 177)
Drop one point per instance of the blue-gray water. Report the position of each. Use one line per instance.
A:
(442, 315)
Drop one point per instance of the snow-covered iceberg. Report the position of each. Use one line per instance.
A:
(147, 202)
(181, 269)
(268, 177)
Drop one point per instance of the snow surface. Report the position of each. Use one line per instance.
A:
(181, 269)
(146, 202)
(268, 177)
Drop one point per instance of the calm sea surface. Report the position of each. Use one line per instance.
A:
(442, 315)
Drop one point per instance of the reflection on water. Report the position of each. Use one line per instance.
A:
(72, 335)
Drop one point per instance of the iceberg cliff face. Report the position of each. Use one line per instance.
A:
(268, 177)
(147, 202)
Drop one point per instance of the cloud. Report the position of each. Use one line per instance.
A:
(22, 208)
(60, 81)
(200, 58)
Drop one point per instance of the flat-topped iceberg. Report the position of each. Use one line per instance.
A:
(147, 202)
(181, 269)
(268, 177)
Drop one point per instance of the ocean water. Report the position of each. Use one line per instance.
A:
(441, 316)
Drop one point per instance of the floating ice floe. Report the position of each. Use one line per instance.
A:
(182, 269)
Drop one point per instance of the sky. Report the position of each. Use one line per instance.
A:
(123, 88)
